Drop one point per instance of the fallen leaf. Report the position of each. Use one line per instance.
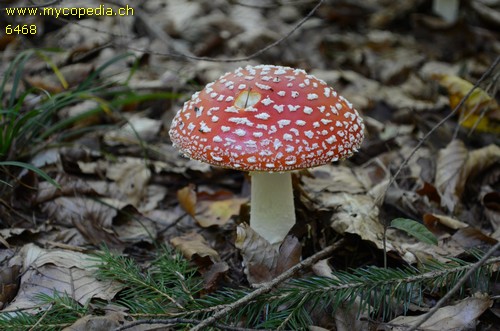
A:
(83, 109)
(132, 227)
(70, 75)
(187, 199)
(449, 181)
(215, 273)
(413, 251)
(430, 192)
(194, 247)
(9, 276)
(473, 238)
(431, 220)
(92, 218)
(481, 159)
(332, 179)
(290, 252)
(322, 269)
(356, 214)
(454, 317)
(152, 196)
(491, 203)
(69, 185)
(259, 256)
(131, 176)
(62, 271)
(218, 212)
(174, 162)
(480, 111)
(110, 321)
(138, 128)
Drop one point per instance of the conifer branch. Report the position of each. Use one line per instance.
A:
(279, 304)
(458, 285)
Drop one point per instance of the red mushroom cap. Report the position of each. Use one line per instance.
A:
(267, 118)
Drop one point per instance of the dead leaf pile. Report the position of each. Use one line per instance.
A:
(122, 184)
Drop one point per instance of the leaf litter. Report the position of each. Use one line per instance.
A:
(124, 186)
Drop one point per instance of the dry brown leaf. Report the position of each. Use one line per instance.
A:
(131, 176)
(491, 203)
(138, 128)
(82, 108)
(442, 226)
(69, 185)
(259, 256)
(332, 179)
(194, 247)
(92, 218)
(218, 212)
(214, 275)
(431, 219)
(132, 227)
(481, 159)
(290, 253)
(152, 196)
(412, 251)
(110, 321)
(187, 199)
(455, 166)
(454, 317)
(73, 75)
(430, 192)
(174, 162)
(356, 214)
(9, 279)
(473, 238)
(129, 179)
(62, 271)
(449, 180)
(43, 234)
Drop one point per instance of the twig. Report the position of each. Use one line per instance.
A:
(269, 286)
(41, 318)
(260, 51)
(431, 131)
(455, 288)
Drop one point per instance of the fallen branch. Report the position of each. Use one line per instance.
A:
(269, 286)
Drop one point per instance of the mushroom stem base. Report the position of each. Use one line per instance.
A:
(272, 212)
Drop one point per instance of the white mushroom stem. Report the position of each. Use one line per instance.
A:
(272, 212)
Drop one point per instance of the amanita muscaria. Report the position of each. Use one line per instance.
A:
(268, 120)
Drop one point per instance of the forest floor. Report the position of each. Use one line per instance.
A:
(95, 201)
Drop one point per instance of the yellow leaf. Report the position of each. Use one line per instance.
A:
(187, 199)
(218, 212)
(479, 112)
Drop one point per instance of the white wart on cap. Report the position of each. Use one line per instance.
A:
(267, 118)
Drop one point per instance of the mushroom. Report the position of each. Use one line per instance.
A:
(268, 120)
